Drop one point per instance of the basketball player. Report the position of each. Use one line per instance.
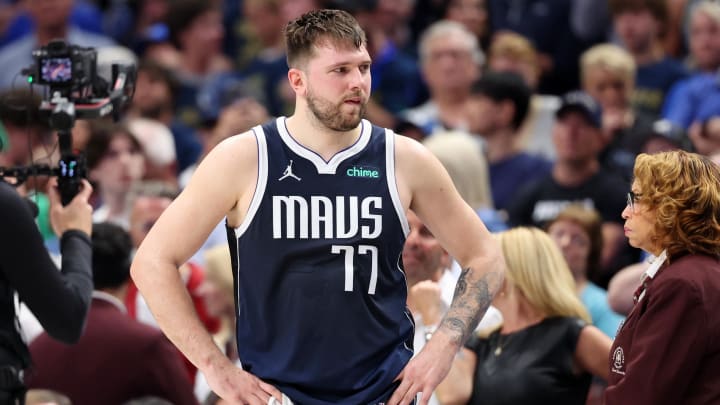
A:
(315, 208)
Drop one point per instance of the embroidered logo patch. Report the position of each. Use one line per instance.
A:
(618, 364)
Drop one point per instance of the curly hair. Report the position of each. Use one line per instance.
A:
(682, 189)
(309, 30)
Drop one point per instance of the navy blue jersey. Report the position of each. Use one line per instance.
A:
(317, 262)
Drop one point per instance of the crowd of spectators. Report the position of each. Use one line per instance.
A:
(532, 106)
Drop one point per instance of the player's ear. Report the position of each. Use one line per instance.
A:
(297, 80)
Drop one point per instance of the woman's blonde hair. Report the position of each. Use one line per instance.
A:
(682, 190)
(537, 269)
(463, 158)
(612, 58)
(514, 46)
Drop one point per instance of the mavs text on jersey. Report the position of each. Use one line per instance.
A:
(319, 279)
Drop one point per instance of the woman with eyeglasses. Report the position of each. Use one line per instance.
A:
(668, 350)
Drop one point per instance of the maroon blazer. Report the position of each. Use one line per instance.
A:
(117, 359)
(668, 349)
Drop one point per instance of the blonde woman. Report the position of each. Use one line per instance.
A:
(545, 352)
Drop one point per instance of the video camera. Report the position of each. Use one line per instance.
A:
(64, 67)
(74, 90)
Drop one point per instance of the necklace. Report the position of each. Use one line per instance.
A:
(501, 343)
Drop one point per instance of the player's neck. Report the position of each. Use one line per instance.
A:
(315, 136)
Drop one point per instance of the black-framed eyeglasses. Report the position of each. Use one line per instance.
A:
(632, 198)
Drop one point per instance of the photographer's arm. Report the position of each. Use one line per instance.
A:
(59, 300)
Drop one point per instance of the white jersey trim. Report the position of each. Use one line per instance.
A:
(392, 181)
(321, 165)
(260, 184)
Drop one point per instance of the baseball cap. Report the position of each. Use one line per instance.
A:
(667, 130)
(579, 101)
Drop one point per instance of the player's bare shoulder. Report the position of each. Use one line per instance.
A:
(233, 158)
(230, 169)
(408, 150)
(412, 159)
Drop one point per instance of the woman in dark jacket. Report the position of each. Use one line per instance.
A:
(668, 350)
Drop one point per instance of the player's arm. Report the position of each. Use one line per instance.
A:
(426, 186)
(222, 183)
(461, 232)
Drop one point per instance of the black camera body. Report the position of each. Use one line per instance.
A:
(64, 68)
(74, 90)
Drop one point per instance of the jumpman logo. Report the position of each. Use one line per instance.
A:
(288, 173)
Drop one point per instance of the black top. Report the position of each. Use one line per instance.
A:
(606, 192)
(60, 301)
(530, 366)
(543, 200)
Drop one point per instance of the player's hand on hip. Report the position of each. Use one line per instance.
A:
(424, 372)
(238, 387)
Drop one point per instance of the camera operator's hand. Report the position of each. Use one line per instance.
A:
(76, 215)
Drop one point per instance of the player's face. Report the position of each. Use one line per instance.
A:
(338, 86)
(422, 254)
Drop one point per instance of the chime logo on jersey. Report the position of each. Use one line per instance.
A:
(363, 171)
(316, 217)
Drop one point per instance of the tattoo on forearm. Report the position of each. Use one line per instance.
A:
(471, 300)
(461, 286)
